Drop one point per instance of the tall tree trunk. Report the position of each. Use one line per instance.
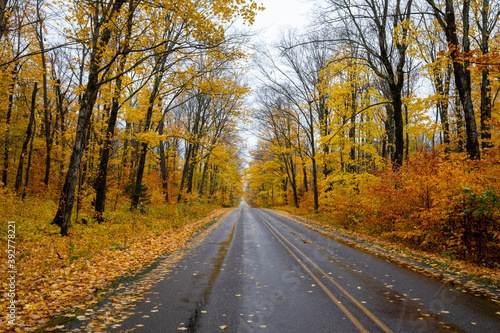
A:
(28, 164)
(315, 184)
(163, 164)
(203, 175)
(29, 132)
(389, 128)
(442, 104)
(3, 19)
(191, 168)
(313, 159)
(485, 79)
(144, 145)
(352, 130)
(398, 126)
(46, 116)
(447, 20)
(293, 182)
(304, 176)
(460, 125)
(185, 171)
(7, 123)
(102, 174)
(61, 121)
(67, 196)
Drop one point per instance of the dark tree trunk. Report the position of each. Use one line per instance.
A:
(191, 167)
(443, 103)
(163, 164)
(187, 161)
(101, 179)
(203, 175)
(485, 79)
(61, 119)
(460, 126)
(304, 176)
(29, 132)
(313, 159)
(7, 123)
(315, 185)
(3, 19)
(447, 20)
(46, 115)
(28, 164)
(389, 147)
(293, 182)
(67, 196)
(102, 174)
(398, 125)
(147, 125)
(352, 130)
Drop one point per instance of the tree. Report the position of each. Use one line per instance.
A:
(277, 129)
(486, 22)
(380, 28)
(446, 18)
(104, 14)
(101, 179)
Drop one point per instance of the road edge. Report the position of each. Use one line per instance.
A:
(455, 281)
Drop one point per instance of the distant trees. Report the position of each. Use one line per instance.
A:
(358, 86)
(114, 79)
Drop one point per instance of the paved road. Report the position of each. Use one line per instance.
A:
(259, 272)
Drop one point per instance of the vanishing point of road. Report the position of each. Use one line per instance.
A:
(260, 272)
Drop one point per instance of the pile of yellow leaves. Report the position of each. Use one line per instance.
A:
(57, 274)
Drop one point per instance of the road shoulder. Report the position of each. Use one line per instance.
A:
(403, 257)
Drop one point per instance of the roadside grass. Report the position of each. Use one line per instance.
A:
(442, 261)
(57, 275)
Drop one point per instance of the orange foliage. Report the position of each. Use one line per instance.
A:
(437, 202)
(58, 274)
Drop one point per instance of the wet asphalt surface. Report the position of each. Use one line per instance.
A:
(259, 272)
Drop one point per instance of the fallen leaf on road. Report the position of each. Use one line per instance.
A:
(223, 327)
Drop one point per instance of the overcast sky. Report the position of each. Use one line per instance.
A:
(280, 14)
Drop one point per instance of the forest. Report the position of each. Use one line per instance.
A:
(383, 119)
(123, 120)
(119, 127)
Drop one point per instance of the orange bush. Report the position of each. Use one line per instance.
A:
(437, 202)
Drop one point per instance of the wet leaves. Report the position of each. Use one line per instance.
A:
(65, 286)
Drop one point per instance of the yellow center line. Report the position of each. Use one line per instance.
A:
(318, 281)
(354, 300)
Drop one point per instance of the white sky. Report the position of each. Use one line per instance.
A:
(280, 14)
(270, 23)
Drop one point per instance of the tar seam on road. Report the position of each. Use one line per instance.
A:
(325, 289)
(218, 261)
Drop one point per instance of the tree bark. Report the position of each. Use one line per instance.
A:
(46, 116)
(102, 174)
(163, 164)
(67, 196)
(29, 132)
(3, 19)
(7, 122)
(460, 68)
(485, 78)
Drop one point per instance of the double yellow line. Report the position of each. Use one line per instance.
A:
(349, 315)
